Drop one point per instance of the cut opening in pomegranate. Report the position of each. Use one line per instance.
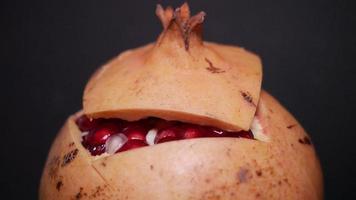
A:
(116, 135)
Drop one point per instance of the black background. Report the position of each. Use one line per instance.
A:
(50, 48)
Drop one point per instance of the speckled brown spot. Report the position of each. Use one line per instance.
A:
(79, 195)
(270, 170)
(69, 157)
(305, 140)
(259, 173)
(71, 144)
(243, 175)
(59, 185)
(212, 68)
(286, 181)
(228, 152)
(97, 192)
(291, 126)
(247, 97)
(139, 91)
(211, 194)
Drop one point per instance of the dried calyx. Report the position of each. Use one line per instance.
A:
(180, 18)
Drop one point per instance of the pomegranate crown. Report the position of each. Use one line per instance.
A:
(180, 17)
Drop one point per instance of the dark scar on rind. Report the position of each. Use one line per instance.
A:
(291, 126)
(69, 157)
(247, 97)
(305, 140)
(212, 68)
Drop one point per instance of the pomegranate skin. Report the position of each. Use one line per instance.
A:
(203, 168)
(179, 77)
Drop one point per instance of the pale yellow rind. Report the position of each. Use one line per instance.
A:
(210, 84)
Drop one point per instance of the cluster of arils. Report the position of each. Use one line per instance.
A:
(116, 135)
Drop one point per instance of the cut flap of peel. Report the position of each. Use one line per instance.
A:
(179, 77)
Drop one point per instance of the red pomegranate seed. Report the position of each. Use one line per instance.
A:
(97, 150)
(148, 123)
(85, 124)
(163, 124)
(136, 133)
(132, 144)
(101, 134)
(167, 135)
(192, 132)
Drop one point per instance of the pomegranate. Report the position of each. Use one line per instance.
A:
(181, 118)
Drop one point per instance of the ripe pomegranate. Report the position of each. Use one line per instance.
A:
(181, 119)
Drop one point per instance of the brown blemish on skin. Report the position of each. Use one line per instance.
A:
(69, 157)
(71, 144)
(97, 192)
(207, 180)
(152, 167)
(243, 175)
(59, 185)
(247, 97)
(137, 85)
(212, 68)
(103, 164)
(79, 195)
(286, 181)
(270, 170)
(305, 140)
(139, 91)
(259, 173)
(291, 126)
(211, 194)
(228, 152)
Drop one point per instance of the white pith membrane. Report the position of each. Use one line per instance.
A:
(115, 142)
(151, 136)
(257, 130)
(84, 133)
